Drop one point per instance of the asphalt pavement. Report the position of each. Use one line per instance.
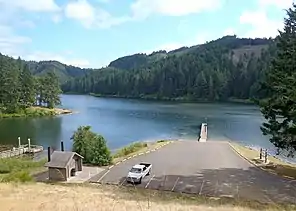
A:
(211, 168)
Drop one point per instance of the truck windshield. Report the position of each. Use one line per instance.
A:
(135, 170)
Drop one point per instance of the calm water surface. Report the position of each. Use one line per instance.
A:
(123, 121)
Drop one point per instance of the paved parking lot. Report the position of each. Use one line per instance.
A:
(210, 168)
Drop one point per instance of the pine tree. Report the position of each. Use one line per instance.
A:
(279, 108)
(27, 87)
(51, 90)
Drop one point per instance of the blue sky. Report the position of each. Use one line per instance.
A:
(91, 33)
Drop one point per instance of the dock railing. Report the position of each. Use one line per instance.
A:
(21, 149)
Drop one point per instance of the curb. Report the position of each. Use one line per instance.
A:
(141, 153)
(259, 167)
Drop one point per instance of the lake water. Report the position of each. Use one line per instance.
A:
(123, 121)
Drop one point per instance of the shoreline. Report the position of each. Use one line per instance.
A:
(274, 164)
(37, 111)
(165, 99)
(178, 99)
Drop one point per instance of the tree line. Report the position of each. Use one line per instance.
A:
(20, 90)
(214, 71)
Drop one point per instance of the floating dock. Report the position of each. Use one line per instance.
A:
(203, 132)
(21, 149)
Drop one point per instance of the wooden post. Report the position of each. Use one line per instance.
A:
(29, 144)
(19, 141)
(265, 160)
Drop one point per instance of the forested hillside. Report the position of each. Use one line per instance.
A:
(63, 72)
(20, 90)
(226, 68)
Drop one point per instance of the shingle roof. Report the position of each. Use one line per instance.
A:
(60, 159)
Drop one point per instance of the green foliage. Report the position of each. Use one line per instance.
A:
(18, 169)
(279, 107)
(219, 70)
(134, 147)
(19, 176)
(4, 169)
(63, 72)
(91, 146)
(20, 90)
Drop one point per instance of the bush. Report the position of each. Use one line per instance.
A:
(4, 169)
(8, 165)
(91, 146)
(134, 147)
(161, 141)
(18, 176)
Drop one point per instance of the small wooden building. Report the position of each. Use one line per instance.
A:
(63, 165)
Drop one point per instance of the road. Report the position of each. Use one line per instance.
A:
(211, 168)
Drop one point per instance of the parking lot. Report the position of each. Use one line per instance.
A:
(210, 168)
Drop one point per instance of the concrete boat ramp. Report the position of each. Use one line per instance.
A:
(204, 167)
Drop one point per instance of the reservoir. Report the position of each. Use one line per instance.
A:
(122, 121)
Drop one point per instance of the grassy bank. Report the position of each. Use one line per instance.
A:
(37, 112)
(81, 197)
(19, 169)
(136, 148)
(274, 165)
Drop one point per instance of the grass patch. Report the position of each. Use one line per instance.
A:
(161, 141)
(36, 111)
(275, 165)
(18, 169)
(134, 147)
(87, 197)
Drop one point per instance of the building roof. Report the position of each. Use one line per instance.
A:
(60, 159)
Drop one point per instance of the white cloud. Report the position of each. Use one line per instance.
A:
(32, 5)
(45, 56)
(282, 4)
(144, 8)
(82, 11)
(91, 16)
(10, 42)
(261, 25)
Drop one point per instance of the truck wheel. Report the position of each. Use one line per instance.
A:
(140, 180)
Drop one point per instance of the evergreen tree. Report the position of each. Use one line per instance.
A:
(27, 88)
(50, 90)
(20, 90)
(279, 108)
(219, 70)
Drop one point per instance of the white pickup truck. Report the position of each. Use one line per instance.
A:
(138, 172)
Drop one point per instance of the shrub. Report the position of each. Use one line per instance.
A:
(91, 146)
(8, 165)
(4, 169)
(134, 147)
(18, 176)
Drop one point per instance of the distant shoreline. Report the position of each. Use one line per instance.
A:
(165, 99)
